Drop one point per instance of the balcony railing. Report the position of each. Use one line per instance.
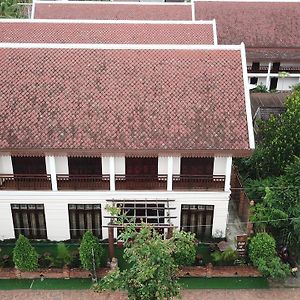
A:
(82, 182)
(25, 182)
(198, 182)
(141, 182)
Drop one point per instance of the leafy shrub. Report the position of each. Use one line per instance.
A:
(63, 255)
(260, 88)
(225, 258)
(262, 253)
(46, 260)
(24, 255)
(75, 259)
(185, 248)
(90, 251)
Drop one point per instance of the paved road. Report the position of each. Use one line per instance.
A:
(272, 294)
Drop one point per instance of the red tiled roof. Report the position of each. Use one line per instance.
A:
(137, 33)
(113, 11)
(257, 24)
(123, 100)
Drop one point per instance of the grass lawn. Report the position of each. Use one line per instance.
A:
(224, 283)
(82, 284)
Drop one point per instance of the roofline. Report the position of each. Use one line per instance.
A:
(247, 98)
(127, 152)
(193, 11)
(242, 1)
(113, 2)
(67, 21)
(119, 46)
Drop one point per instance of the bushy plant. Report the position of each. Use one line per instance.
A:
(63, 255)
(185, 248)
(227, 257)
(25, 256)
(90, 251)
(46, 260)
(262, 253)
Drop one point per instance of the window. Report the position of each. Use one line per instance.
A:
(84, 165)
(29, 220)
(197, 219)
(29, 165)
(85, 217)
(197, 166)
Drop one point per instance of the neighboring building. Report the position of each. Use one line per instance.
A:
(270, 31)
(149, 128)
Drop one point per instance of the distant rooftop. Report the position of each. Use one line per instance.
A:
(130, 32)
(102, 10)
(270, 30)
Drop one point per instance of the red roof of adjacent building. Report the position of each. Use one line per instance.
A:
(123, 100)
(112, 11)
(106, 33)
(270, 26)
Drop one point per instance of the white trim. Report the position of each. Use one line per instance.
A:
(64, 21)
(113, 2)
(247, 98)
(33, 10)
(215, 32)
(50, 161)
(119, 46)
(193, 11)
(170, 174)
(228, 174)
(258, 1)
(262, 75)
(268, 80)
(112, 173)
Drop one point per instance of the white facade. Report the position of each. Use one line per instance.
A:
(56, 202)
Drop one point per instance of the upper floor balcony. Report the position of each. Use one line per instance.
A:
(113, 173)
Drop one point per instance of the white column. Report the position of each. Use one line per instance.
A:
(228, 174)
(51, 168)
(6, 166)
(112, 173)
(6, 221)
(268, 80)
(170, 173)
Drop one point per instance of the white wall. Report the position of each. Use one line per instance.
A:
(6, 221)
(220, 166)
(285, 84)
(56, 207)
(163, 165)
(120, 165)
(6, 164)
(61, 165)
(105, 165)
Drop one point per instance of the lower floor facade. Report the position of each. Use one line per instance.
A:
(67, 215)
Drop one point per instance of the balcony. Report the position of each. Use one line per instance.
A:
(82, 182)
(198, 182)
(25, 182)
(141, 182)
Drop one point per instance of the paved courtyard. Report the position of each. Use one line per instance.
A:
(274, 294)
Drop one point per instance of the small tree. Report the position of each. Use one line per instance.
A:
(262, 253)
(24, 255)
(185, 248)
(63, 255)
(90, 251)
(152, 271)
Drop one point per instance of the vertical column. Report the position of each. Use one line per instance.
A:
(111, 250)
(112, 173)
(268, 80)
(228, 174)
(51, 168)
(170, 174)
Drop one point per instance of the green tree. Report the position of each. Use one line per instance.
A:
(25, 256)
(262, 253)
(277, 142)
(63, 255)
(185, 248)
(90, 251)
(152, 271)
(9, 9)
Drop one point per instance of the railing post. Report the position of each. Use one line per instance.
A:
(112, 174)
(170, 174)
(268, 79)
